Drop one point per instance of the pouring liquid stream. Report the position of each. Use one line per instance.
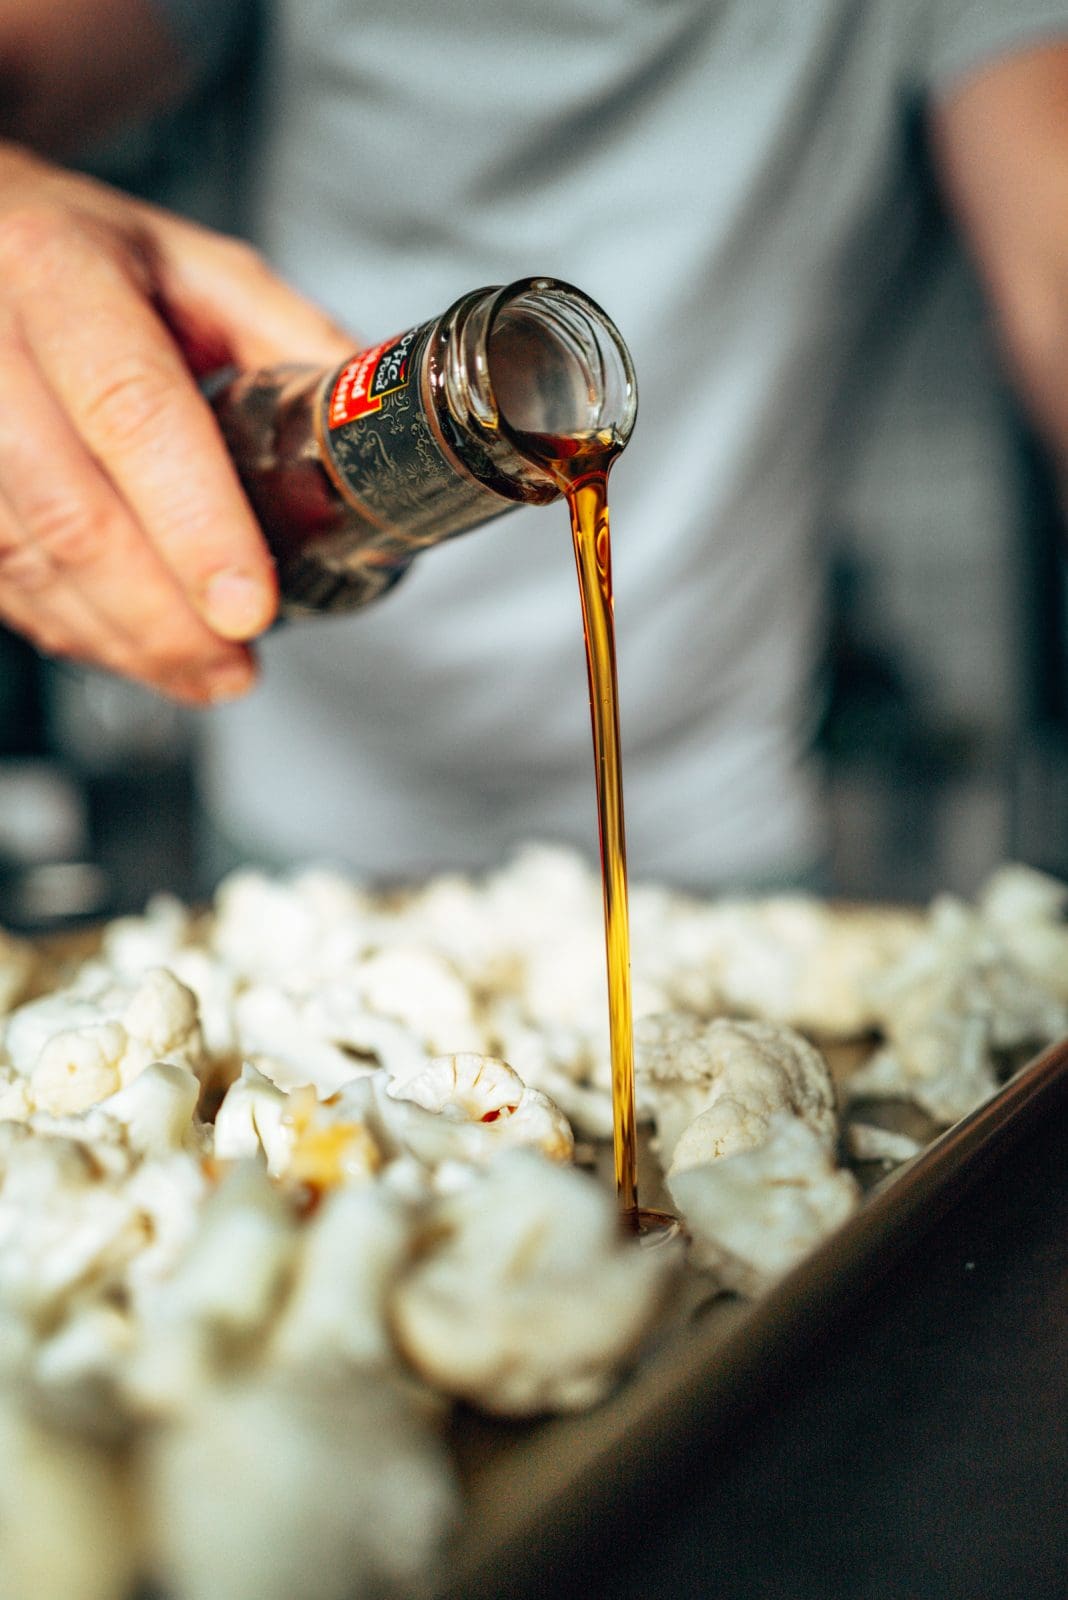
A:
(580, 464)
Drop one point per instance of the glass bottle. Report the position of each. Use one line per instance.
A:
(353, 472)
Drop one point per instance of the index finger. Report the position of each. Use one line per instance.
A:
(117, 372)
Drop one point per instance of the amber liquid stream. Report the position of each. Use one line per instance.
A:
(581, 465)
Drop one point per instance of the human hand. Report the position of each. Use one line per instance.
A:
(125, 539)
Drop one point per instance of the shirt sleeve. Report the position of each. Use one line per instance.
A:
(210, 33)
(956, 37)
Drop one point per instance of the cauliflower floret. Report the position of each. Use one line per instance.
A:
(955, 1011)
(753, 1215)
(251, 1119)
(329, 1147)
(78, 1067)
(207, 1310)
(421, 990)
(15, 1103)
(528, 1297)
(795, 960)
(557, 1061)
(542, 890)
(305, 1140)
(449, 915)
(166, 937)
(1025, 910)
(325, 1039)
(65, 1221)
(353, 1249)
(675, 945)
(168, 1192)
(477, 1088)
(80, 1045)
(464, 1109)
(158, 1109)
(65, 1528)
(310, 1483)
(74, 1370)
(866, 1141)
(131, 945)
(737, 1074)
(245, 1221)
(161, 1023)
(294, 933)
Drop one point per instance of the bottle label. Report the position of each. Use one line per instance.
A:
(365, 381)
(388, 459)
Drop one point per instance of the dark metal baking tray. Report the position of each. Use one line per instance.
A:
(532, 1489)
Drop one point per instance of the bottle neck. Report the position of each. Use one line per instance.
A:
(520, 376)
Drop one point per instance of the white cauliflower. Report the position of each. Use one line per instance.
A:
(251, 1119)
(1025, 910)
(734, 1076)
(15, 1103)
(353, 1250)
(558, 1061)
(66, 1223)
(480, 1091)
(74, 1369)
(218, 1300)
(79, 1045)
(294, 934)
(168, 1192)
(168, 935)
(312, 1483)
(131, 945)
(325, 1039)
(270, 1309)
(468, 1109)
(421, 990)
(867, 1141)
(795, 960)
(448, 914)
(957, 1011)
(158, 1109)
(65, 1527)
(753, 1215)
(305, 1140)
(528, 1297)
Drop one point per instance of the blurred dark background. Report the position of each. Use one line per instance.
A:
(945, 718)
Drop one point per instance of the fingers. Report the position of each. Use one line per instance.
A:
(112, 465)
(221, 297)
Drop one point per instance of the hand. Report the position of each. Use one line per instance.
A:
(125, 538)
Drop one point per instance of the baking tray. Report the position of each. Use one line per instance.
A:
(532, 1491)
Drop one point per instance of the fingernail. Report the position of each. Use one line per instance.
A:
(237, 605)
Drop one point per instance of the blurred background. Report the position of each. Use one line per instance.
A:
(945, 723)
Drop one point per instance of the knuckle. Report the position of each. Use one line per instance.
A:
(56, 538)
(31, 235)
(77, 543)
(67, 537)
(24, 567)
(130, 403)
(241, 257)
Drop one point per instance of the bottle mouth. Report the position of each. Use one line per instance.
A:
(560, 374)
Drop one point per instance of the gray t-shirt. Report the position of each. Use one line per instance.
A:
(738, 183)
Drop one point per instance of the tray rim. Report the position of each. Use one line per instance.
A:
(573, 1466)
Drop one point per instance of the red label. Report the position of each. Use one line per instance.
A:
(363, 383)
